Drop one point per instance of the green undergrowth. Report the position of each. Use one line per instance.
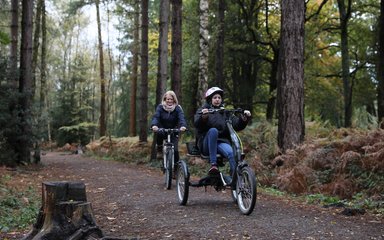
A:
(18, 208)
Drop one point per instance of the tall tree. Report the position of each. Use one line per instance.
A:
(176, 48)
(25, 81)
(380, 67)
(135, 61)
(219, 60)
(162, 63)
(143, 99)
(203, 51)
(43, 64)
(345, 14)
(290, 89)
(103, 125)
(36, 43)
(14, 43)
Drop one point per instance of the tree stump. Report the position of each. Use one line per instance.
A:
(65, 214)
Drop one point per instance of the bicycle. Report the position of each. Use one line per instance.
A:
(243, 185)
(168, 155)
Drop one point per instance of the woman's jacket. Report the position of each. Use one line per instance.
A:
(165, 119)
(215, 120)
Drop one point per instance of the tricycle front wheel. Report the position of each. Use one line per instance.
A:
(246, 190)
(182, 182)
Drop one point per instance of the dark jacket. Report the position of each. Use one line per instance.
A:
(215, 120)
(164, 119)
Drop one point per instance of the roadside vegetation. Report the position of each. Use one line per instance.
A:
(19, 203)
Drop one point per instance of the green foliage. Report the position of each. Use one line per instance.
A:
(261, 137)
(363, 119)
(9, 122)
(79, 133)
(18, 209)
(4, 38)
(321, 199)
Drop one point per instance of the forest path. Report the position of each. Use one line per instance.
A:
(129, 201)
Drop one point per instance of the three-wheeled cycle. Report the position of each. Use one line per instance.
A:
(243, 180)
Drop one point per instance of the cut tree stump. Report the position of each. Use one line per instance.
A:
(65, 214)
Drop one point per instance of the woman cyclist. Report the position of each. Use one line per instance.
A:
(169, 114)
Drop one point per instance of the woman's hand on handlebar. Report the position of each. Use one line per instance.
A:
(155, 128)
(246, 115)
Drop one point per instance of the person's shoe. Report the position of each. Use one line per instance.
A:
(213, 170)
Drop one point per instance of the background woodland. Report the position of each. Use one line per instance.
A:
(289, 62)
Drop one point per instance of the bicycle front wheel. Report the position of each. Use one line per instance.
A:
(246, 190)
(168, 168)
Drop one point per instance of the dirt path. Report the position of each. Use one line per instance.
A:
(129, 201)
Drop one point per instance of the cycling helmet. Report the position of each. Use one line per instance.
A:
(212, 91)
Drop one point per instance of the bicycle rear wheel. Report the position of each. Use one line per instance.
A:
(182, 183)
(246, 190)
(168, 168)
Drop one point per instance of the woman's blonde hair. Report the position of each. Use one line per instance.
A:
(172, 94)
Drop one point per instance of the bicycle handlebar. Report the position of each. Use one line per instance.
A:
(213, 110)
(169, 130)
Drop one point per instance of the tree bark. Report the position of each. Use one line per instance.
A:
(380, 67)
(25, 82)
(14, 44)
(176, 65)
(219, 64)
(135, 60)
(291, 124)
(272, 85)
(345, 14)
(102, 120)
(43, 80)
(143, 100)
(36, 44)
(162, 63)
(203, 52)
(65, 214)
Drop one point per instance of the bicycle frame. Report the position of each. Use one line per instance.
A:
(168, 161)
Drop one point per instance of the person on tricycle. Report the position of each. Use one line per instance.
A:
(213, 135)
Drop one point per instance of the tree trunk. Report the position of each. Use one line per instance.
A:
(344, 18)
(43, 80)
(103, 127)
(36, 44)
(135, 60)
(380, 67)
(65, 214)
(291, 124)
(25, 82)
(219, 64)
(176, 48)
(203, 52)
(272, 86)
(14, 44)
(162, 63)
(143, 100)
